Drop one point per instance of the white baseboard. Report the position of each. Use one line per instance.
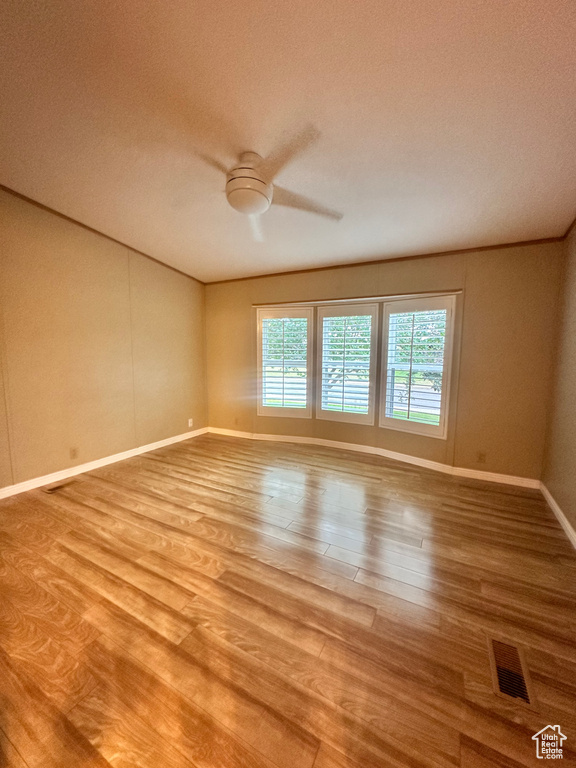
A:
(63, 474)
(492, 477)
(473, 474)
(560, 516)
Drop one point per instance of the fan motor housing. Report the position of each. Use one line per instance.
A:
(246, 190)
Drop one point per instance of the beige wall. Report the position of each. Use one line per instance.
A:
(501, 383)
(5, 462)
(560, 464)
(102, 349)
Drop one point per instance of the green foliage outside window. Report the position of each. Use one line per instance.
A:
(346, 350)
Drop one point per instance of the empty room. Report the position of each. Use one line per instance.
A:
(287, 384)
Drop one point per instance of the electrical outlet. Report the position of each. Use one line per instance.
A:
(190, 422)
(481, 457)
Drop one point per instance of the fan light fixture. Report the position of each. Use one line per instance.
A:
(246, 190)
(251, 187)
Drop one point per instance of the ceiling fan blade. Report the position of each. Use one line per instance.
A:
(292, 200)
(211, 161)
(280, 158)
(256, 227)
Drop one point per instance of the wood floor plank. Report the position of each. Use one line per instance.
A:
(238, 538)
(476, 755)
(238, 604)
(105, 498)
(488, 615)
(121, 736)
(328, 757)
(381, 710)
(362, 712)
(130, 571)
(49, 613)
(9, 755)
(142, 606)
(61, 677)
(84, 518)
(194, 677)
(302, 600)
(430, 578)
(76, 595)
(192, 730)
(37, 728)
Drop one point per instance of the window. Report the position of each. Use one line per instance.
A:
(417, 349)
(346, 362)
(284, 351)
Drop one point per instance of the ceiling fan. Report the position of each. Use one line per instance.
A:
(250, 187)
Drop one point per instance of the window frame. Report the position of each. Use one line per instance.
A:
(264, 313)
(447, 302)
(347, 310)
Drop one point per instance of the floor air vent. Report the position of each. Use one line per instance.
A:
(509, 672)
(56, 486)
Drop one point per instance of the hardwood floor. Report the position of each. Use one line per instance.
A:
(222, 603)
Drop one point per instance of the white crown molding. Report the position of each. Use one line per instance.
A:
(473, 474)
(63, 474)
(560, 516)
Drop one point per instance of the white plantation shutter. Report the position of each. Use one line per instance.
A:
(284, 362)
(410, 349)
(284, 351)
(346, 363)
(417, 345)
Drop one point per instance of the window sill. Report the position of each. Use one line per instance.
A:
(289, 413)
(347, 418)
(413, 428)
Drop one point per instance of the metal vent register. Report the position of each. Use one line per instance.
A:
(509, 672)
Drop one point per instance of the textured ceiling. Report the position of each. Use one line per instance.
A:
(442, 125)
